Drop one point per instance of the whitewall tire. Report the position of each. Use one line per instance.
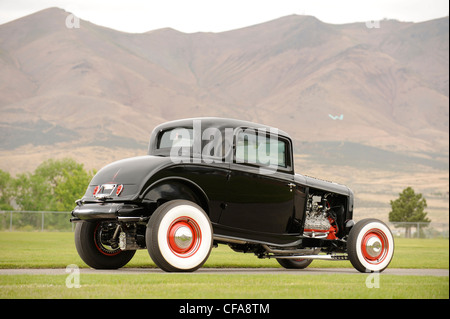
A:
(370, 245)
(179, 236)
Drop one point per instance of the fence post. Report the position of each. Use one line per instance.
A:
(10, 221)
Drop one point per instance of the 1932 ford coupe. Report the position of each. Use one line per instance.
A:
(209, 181)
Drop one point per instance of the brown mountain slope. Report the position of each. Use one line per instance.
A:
(65, 89)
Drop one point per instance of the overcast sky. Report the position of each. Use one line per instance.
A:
(222, 15)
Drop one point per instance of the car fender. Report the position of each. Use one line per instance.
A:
(133, 173)
(175, 187)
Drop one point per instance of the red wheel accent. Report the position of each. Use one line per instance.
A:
(374, 246)
(102, 248)
(184, 237)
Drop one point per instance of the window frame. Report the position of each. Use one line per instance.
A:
(280, 138)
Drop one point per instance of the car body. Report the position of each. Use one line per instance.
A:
(210, 181)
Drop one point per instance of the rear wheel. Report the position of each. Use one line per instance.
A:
(297, 263)
(179, 236)
(294, 263)
(370, 245)
(95, 247)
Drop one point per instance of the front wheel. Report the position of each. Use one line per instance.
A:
(370, 245)
(96, 248)
(179, 236)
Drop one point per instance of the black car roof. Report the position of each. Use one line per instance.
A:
(219, 123)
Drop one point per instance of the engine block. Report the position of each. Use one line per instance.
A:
(317, 223)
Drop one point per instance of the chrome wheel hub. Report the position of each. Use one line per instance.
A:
(374, 246)
(183, 237)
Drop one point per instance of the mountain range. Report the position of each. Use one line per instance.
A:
(351, 92)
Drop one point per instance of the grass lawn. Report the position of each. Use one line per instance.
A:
(57, 250)
(206, 286)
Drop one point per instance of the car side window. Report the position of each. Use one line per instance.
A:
(253, 147)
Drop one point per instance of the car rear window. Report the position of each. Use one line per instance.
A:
(177, 137)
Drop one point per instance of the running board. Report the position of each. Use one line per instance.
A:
(322, 257)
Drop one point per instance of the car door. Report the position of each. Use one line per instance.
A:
(260, 194)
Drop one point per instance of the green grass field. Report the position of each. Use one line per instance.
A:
(202, 286)
(57, 250)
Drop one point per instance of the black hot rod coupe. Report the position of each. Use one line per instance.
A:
(210, 181)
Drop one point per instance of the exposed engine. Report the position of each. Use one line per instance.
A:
(320, 218)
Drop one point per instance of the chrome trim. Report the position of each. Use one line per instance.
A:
(111, 187)
(183, 237)
(291, 251)
(323, 257)
(229, 239)
(131, 219)
(373, 246)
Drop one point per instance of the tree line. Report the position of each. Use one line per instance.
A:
(55, 185)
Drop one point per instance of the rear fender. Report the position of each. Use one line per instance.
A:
(172, 188)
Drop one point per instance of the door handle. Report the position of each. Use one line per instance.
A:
(291, 186)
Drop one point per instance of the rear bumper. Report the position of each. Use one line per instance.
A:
(96, 211)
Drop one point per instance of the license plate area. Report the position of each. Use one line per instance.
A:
(106, 190)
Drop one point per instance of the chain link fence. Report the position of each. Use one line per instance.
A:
(35, 221)
(60, 221)
(419, 229)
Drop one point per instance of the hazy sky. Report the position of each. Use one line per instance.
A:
(221, 15)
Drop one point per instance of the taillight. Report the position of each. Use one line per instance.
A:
(119, 189)
(96, 189)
